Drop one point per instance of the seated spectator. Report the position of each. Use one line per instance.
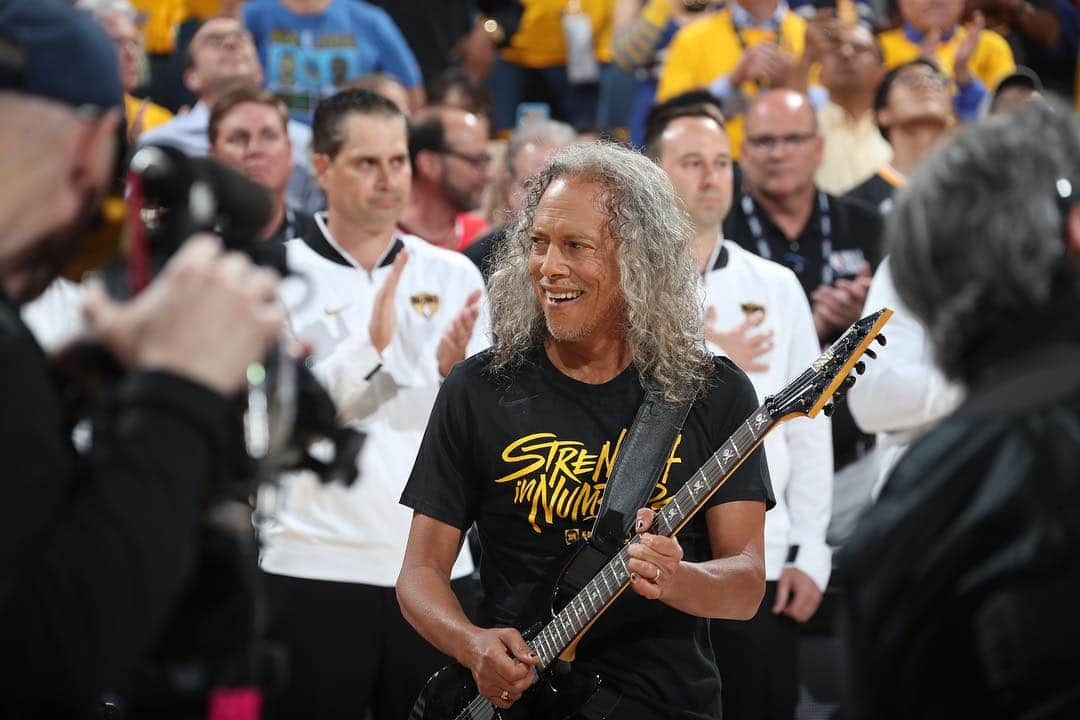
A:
(313, 48)
(746, 47)
(248, 131)
(451, 171)
(387, 86)
(221, 57)
(914, 114)
(976, 58)
(118, 17)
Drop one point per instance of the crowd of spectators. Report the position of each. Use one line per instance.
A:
(821, 112)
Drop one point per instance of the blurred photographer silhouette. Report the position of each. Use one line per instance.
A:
(97, 548)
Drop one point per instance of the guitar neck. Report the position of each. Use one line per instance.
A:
(593, 599)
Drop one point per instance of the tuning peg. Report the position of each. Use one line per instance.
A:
(880, 337)
(860, 367)
(870, 353)
(828, 409)
(849, 381)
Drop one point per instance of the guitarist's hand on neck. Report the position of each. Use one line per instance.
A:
(655, 561)
(501, 665)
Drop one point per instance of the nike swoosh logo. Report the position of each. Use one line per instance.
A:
(331, 312)
(503, 402)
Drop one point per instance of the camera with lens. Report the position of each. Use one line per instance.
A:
(284, 421)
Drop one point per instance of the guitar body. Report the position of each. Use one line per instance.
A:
(560, 693)
(451, 694)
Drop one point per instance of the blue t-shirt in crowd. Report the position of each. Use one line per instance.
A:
(309, 57)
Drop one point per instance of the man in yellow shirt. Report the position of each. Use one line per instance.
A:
(932, 29)
(748, 46)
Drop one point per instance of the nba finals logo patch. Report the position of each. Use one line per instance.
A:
(750, 309)
(426, 304)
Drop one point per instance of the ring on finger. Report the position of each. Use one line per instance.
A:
(657, 578)
(505, 695)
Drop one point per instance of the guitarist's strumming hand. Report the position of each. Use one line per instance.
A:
(501, 665)
(654, 561)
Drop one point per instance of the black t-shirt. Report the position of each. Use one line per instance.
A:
(855, 231)
(876, 192)
(526, 458)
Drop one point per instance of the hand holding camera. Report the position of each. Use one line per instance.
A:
(206, 317)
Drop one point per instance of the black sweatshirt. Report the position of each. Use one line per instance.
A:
(94, 550)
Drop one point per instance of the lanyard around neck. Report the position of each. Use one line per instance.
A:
(792, 258)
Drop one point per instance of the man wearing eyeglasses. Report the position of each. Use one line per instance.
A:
(451, 170)
(829, 242)
(387, 315)
(220, 58)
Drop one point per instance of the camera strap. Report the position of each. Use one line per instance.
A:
(637, 468)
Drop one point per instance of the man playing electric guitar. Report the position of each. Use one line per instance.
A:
(594, 301)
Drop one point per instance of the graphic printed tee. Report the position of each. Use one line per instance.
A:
(527, 459)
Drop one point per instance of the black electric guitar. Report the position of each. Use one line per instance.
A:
(451, 694)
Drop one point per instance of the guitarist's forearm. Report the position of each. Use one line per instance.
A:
(430, 606)
(730, 588)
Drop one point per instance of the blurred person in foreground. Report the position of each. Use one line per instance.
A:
(962, 577)
(97, 547)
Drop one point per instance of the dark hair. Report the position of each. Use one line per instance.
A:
(238, 96)
(881, 96)
(427, 134)
(668, 112)
(977, 239)
(478, 97)
(327, 136)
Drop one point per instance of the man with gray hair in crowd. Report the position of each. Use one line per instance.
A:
(530, 147)
(962, 577)
(595, 303)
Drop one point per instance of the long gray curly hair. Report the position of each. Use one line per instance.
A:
(656, 270)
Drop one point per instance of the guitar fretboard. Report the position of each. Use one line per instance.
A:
(569, 622)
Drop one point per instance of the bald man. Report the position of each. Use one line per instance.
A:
(831, 243)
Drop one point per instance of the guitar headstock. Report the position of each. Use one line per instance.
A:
(830, 376)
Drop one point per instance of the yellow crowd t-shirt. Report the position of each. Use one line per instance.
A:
(539, 41)
(709, 48)
(991, 60)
